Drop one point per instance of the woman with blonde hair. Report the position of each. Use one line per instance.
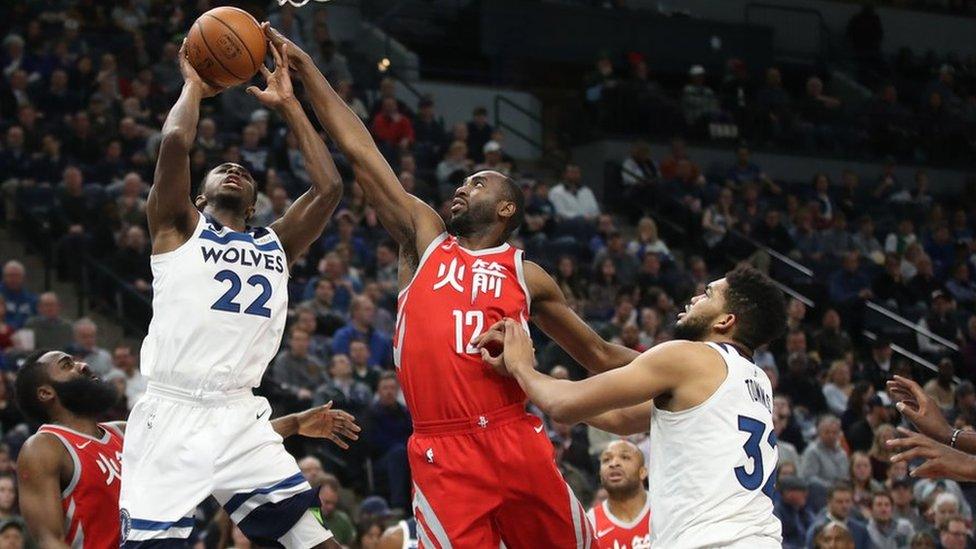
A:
(838, 388)
(879, 453)
(648, 241)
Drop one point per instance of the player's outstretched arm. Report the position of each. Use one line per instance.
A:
(552, 314)
(924, 412)
(408, 219)
(304, 220)
(939, 460)
(171, 215)
(319, 422)
(625, 421)
(39, 475)
(657, 371)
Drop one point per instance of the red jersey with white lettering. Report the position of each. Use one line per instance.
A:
(91, 499)
(612, 533)
(454, 296)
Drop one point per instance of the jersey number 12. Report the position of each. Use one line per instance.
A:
(463, 319)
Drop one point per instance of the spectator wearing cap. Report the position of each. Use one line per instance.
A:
(21, 303)
(860, 435)
(698, 101)
(793, 512)
(887, 531)
(492, 152)
(942, 387)
(51, 331)
(963, 411)
(940, 321)
(479, 133)
(824, 461)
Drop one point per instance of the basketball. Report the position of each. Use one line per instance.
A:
(226, 46)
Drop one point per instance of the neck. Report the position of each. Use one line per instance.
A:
(629, 507)
(85, 425)
(488, 236)
(227, 218)
(719, 338)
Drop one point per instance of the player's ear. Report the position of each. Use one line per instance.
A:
(724, 323)
(506, 209)
(45, 393)
(248, 213)
(642, 473)
(200, 202)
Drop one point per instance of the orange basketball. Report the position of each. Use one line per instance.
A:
(226, 46)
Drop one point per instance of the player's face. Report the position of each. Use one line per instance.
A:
(79, 390)
(475, 203)
(695, 322)
(622, 468)
(230, 186)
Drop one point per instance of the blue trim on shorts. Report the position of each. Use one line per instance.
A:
(239, 499)
(165, 543)
(140, 524)
(265, 524)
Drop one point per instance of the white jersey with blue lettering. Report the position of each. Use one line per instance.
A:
(219, 307)
(712, 466)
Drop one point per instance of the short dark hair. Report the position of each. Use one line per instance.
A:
(881, 494)
(758, 305)
(512, 192)
(839, 487)
(31, 376)
(387, 375)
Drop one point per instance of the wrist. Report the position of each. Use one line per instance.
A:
(289, 106)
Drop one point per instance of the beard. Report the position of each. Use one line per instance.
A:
(470, 221)
(692, 329)
(623, 491)
(85, 396)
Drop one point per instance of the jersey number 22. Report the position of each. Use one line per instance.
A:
(226, 301)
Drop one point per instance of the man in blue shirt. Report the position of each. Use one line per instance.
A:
(793, 512)
(361, 314)
(840, 502)
(21, 303)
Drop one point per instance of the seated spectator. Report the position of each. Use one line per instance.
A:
(849, 285)
(941, 321)
(573, 200)
(831, 342)
(345, 234)
(881, 454)
(328, 319)
(817, 114)
(386, 428)
(824, 461)
(837, 389)
(896, 243)
(774, 106)
(963, 411)
(744, 171)
(329, 514)
(647, 241)
(362, 313)
(453, 168)
(21, 303)
(687, 188)
(884, 528)
(342, 389)
(392, 128)
(808, 241)
(602, 292)
(718, 221)
(941, 249)
(51, 331)
(492, 152)
(837, 241)
(860, 435)
(135, 384)
(430, 132)
(639, 169)
(306, 321)
(131, 261)
(793, 512)
(838, 514)
(85, 347)
(296, 371)
(850, 196)
(961, 287)
(361, 369)
(679, 152)
(903, 507)
(863, 484)
(942, 387)
(479, 133)
(890, 288)
(624, 263)
(772, 233)
(954, 533)
(345, 281)
(698, 101)
(799, 383)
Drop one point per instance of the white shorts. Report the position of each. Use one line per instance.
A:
(182, 447)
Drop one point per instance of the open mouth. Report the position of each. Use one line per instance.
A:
(233, 181)
(457, 205)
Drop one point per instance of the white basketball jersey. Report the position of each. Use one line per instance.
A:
(219, 307)
(712, 466)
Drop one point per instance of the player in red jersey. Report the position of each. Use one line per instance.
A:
(483, 469)
(70, 470)
(623, 520)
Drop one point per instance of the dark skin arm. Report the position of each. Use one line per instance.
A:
(625, 421)
(304, 220)
(552, 315)
(171, 215)
(411, 222)
(925, 414)
(940, 461)
(41, 466)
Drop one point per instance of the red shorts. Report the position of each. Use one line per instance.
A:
(492, 479)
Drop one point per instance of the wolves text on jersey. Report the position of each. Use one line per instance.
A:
(246, 258)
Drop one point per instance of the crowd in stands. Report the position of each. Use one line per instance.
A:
(80, 110)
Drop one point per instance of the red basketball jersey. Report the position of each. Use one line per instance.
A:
(91, 500)
(454, 296)
(612, 533)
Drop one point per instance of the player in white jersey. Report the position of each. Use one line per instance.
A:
(219, 306)
(713, 450)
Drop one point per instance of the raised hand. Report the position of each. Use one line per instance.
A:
(919, 408)
(191, 77)
(324, 422)
(278, 91)
(940, 461)
(296, 55)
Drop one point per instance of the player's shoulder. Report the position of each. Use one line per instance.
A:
(42, 450)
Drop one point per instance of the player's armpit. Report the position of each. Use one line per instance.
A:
(625, 421)
(552, 314)
(39, 475)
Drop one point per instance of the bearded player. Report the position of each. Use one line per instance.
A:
(713, 448)
(69, 470)
(623, 520)
(483, 469)
(220, 300)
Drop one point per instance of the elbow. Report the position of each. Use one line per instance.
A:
(562, 411)
(176, 138)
